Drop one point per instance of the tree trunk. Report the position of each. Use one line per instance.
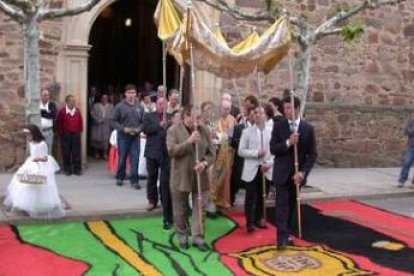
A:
(302, 67)
(31, 57)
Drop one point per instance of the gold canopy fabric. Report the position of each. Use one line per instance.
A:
(210, 50)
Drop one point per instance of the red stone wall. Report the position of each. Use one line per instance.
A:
(12, 103)
(360, 93)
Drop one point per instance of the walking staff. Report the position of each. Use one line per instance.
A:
(191, 152)
(295, 151)
(259, 88)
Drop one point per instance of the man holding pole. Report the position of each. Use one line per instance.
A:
(184, 140)
(288, 134)
(254, 148)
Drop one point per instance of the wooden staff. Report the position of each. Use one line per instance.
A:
(181, 84)
(164, 67)
(197, 155)
(259, 88)
(164, 78)
(295, 151)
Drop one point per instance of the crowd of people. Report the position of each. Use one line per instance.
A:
(196, 160)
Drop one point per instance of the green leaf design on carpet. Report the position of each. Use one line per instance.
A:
(144, 236)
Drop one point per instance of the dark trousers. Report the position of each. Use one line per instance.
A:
(128, 146)
(154, 166)
(253, 203)
(285, 208)
(71, 151)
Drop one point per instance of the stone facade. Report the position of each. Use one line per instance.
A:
(12, 103)
(360, 94)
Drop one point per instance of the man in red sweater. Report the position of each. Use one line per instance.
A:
(69, 127)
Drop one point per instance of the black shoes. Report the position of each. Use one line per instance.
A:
(212, 215)
(282, 244)
(200, 246)
(250, 229)
(167, 225)
(184, 245)
(261, 225)
(183, 241)
(135, 185)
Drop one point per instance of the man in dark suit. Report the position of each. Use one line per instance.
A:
(154, 126)
(286, 133)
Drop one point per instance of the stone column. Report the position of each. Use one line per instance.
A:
(73, 77)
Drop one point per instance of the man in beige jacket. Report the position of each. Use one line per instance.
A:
(182, 140)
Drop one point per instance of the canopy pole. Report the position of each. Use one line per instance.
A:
(181, 84)
(164, 77)
(295, 149)
(197, 155)
(236, 88)
(259, 92)
(259, 85)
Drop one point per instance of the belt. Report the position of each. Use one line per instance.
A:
(47, 128)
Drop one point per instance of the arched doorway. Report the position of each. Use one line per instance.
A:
(125, 49)
(72, 63)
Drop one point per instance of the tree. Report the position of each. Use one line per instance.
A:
(29, 14)
(338, 24)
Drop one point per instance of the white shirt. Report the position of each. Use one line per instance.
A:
(46, 123)
(296, 124)
(71, 112)
(269, 124)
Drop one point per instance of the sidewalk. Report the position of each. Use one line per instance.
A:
(94, 194)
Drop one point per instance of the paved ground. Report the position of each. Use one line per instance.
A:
(94, 194)
(399, 205)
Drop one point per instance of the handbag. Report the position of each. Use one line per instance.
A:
(32, 177)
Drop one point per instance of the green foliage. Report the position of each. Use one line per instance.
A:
(352, 31)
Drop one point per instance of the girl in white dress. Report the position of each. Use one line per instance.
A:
(38, 200)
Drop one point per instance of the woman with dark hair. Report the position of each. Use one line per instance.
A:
(33, 187)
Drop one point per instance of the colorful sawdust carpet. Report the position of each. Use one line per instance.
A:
(340, 238)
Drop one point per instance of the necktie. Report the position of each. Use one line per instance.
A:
(292, 126)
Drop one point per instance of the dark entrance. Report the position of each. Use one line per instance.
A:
(126, 49)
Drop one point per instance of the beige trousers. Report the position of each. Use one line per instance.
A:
(181, 211)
